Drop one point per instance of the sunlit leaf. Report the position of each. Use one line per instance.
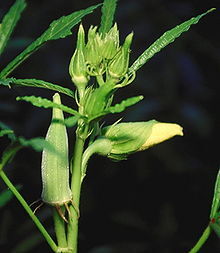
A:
(59, 28)
(119, 107)
(9, 22)
(46, 103)
(36, 83)
(165, 40)
(216, 197)
(108, 12)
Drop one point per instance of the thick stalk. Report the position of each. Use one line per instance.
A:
(201, 240)
(72, 235)
(29, 211)
(60, 231)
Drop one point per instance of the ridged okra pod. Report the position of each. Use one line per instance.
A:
(55, 164)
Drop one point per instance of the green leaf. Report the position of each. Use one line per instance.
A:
(216, 197)
(108, 12)
(6, 196)
(59, 28)
(46, 103)
(37, 143)
(6, 82)
(164, 40)
(9, 21)
(124, 104)
(37, 83)
(9, 153)
(6, 130)
(69, 122)
(119, 107)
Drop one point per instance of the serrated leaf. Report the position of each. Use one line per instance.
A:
(9, 21)
(37, 143)
(69, 122)
(6, 130)
(124, 104)
(108, 12)
(46, 103)
(164, 40)
(119, 107)
(59, 28)
(37, 83)
(7, 195)
(216, 197)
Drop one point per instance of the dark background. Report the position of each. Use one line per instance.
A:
(158, 200)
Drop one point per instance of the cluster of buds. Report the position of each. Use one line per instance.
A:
(101, 56)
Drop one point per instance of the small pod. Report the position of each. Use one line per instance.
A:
(55, 164)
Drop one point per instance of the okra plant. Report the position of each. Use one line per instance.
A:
(99, 67)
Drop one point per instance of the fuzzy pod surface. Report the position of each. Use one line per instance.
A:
(55, 164)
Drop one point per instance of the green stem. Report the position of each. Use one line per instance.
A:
(201, 240)
(59, 226)
(29, 211)
(72, 234)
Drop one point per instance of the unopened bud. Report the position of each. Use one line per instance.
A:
(127, 138)
(118, 66)
(77, 67)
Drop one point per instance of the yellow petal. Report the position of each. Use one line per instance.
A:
(162, 132)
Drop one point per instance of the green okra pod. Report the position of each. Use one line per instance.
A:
(55, 164)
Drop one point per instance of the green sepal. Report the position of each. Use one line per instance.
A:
(97, 100)
(77, 66)
(131, 137)
(118, 66)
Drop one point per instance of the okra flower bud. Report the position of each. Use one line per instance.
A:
(127, 138)
(55, 164)
(77, 66)
(118, 66)
(93, 48)
(110, 45)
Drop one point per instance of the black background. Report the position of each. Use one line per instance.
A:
(158, 200)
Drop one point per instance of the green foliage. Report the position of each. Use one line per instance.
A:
(69, 122)
(59, 28)
(117, 108)
(216, 197)
(105, 62)
(36, 83)
(9, 153)
(165, 40)
(124, 104)
(9, 22)
(108, 12)
(46, 103)
(6, 196)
